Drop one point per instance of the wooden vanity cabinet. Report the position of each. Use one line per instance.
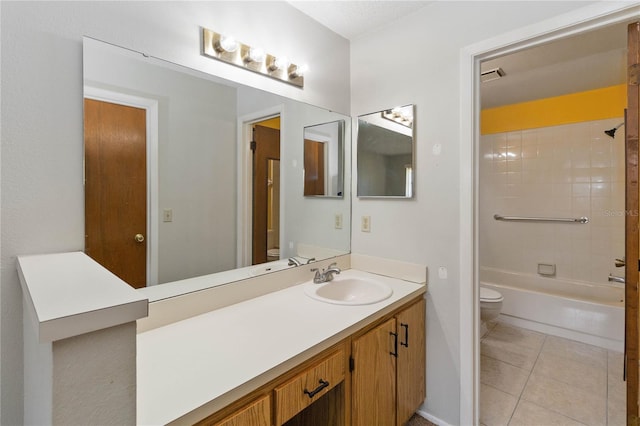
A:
(388, 377)
(386, 385)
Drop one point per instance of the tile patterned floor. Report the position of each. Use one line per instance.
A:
(529, 378)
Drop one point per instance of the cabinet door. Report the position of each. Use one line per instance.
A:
(411, 360)
(258, 413)
(374, 377)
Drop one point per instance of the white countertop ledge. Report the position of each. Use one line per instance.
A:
(68, 294)
(192, 368)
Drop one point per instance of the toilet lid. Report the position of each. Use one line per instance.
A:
(490, 295)
(273, 252)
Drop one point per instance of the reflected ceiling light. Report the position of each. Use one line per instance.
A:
(400, 115)
(231, 51)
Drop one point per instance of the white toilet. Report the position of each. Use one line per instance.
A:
(490, 306)
(273, 254)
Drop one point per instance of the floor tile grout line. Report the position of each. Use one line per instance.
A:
(544, 339)
(505, 362)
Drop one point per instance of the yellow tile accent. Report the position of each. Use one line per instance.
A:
(273, 123)
(598, 104)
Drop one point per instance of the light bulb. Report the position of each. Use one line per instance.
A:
(256, 54)
(299, 71)
(281, 62)
(228, 44)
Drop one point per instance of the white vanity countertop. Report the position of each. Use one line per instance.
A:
(199, 365)
(69, 294)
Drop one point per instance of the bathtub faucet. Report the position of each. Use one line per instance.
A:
(614, 279)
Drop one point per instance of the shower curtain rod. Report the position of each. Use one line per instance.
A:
(582, 219)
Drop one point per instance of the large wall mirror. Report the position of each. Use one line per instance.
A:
(385, 149)
(324, 160)
(190, 177)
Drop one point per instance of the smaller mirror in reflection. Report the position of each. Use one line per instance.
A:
(323, 160)
(385, 153)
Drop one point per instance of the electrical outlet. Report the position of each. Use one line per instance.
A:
(366, 224)
(167, 215)
(338, 220)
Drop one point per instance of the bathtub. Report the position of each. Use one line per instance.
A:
(586, 312)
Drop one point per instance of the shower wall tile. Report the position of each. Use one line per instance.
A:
(562, 171)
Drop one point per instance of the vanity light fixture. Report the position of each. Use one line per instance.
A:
(400, 115)
(227, 49)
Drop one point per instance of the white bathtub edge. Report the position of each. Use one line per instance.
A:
(601, 342)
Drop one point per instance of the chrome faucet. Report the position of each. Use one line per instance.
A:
(326, 274)
(295, 262)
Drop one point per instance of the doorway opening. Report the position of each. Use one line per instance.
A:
(576, 23)
(265, 147)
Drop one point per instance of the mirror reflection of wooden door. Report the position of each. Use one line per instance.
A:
(116, 188)
(313, 167)
(632, 239)
(266, 148)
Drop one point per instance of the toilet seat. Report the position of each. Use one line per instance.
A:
(490, 295)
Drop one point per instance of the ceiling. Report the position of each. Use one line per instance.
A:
(352, 19)
(573, 64)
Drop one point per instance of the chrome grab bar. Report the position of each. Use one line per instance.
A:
(582, 219)
(614, 279)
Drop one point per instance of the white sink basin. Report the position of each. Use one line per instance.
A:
(349, 291)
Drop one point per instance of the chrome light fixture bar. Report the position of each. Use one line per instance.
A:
(229, 50)
(400, 115)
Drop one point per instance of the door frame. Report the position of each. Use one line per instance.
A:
(325, 140)
(244, 231)
(153, 223)
(585, 19)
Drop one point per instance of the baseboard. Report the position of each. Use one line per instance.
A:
(431, 418)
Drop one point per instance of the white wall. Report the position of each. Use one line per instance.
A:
(423, 52)
(41, 137)
(571, 170)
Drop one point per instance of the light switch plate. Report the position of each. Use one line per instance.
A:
(366, 224)
(338, 220)
(443, 273)
(167, 215)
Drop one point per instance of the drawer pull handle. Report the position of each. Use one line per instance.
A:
(395, 344)
(323, 384)
(406, 335)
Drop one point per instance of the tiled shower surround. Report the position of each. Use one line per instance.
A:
(571, 170)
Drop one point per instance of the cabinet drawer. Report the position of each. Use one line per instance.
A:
(258, 413)
(307, 387)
